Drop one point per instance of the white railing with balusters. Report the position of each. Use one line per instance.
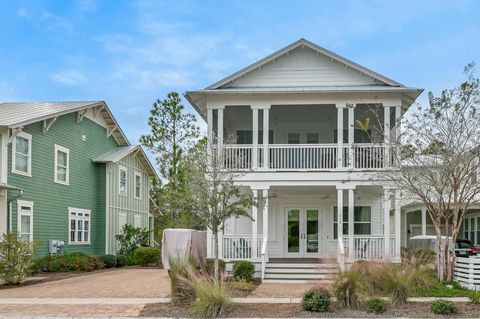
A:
(303, 156)
(239, 247)
(370, 247)
(311, 157)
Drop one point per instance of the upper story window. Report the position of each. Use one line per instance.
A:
(62, 165)
(138, 185)
(78, 226)
(22, 154)
(246, 137)
(122, 180)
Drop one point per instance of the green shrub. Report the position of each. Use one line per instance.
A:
(70, 262)
(130, 238)
(377, 305)
(317, 300)
(210, 265)
(16, 259)
(348, 288)
(474, 296)
(241, 285)
(110, 261)
(146, 255)
(121, 261)
(243, 270)
(212, 300)
(444, 307)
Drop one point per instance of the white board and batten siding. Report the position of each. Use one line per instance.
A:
(125, 209)
(467, 272)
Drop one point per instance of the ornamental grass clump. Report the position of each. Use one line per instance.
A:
(348, 288)
(316, 299)
(212, 298)
(182, 273)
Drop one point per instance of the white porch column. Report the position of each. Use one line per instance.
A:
(424, 221)
(351, 207)
(254, 137)
(266, 155)
(386, 134)
(397, 224)
(351, 135)
(209, 131)
(340, 213)
(339, 136)
(398, 133)
(265, 220)
(220, 128)
(387, 203)
(255, 226)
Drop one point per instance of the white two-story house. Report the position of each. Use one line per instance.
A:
(288, 123)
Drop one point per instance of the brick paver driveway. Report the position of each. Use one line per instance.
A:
(118, 283)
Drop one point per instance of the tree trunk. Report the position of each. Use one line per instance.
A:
(215, 254)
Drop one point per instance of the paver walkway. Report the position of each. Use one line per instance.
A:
(121, 292)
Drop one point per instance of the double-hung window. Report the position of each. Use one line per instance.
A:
(62, 165)
(78, 226)
(138, 185)
(362, 221)
(22, 154)
(122, 180)
(25, 220)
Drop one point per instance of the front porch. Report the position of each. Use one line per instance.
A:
(301, 223)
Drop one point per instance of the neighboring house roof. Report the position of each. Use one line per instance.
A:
(231, 85)
(19, 114)
(118, 153)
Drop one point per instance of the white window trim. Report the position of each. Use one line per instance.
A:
(20, 213)
(66, 151)
(14, 150)
(135, 186)
(84, 211)
(120, 169)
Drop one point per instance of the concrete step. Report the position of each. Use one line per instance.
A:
(297, 276)
(271, 270)
(306, 265)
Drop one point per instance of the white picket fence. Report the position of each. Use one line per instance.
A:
(467, 272)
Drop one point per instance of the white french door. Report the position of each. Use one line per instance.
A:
(302, 232)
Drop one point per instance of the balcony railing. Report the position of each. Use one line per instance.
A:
(310, 157)
(239, 247)
(369, 247)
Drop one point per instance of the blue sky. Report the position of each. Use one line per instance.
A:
(129, 53)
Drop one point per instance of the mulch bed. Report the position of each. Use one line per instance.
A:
(411, 310)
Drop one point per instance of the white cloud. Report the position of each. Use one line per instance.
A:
(70, 77)
(22, 12)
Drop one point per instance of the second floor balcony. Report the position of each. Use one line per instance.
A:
(304, 137)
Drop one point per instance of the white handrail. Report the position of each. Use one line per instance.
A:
(341, 254)
(264, 256)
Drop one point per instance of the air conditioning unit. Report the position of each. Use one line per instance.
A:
(55, 247)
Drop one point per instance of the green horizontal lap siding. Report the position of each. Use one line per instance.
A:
(87, 182)
(128, 204)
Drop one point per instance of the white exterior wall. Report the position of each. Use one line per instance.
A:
(325, 199)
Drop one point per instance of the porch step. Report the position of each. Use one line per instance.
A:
(306, 272)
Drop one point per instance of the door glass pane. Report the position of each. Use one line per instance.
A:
(293, 225)
(472, 231)
(25, 224)
(312, 231)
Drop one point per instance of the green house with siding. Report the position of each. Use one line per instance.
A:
(69, 177)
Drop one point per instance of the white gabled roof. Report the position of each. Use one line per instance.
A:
(303, 43)
(19, 114)
(118, 153)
